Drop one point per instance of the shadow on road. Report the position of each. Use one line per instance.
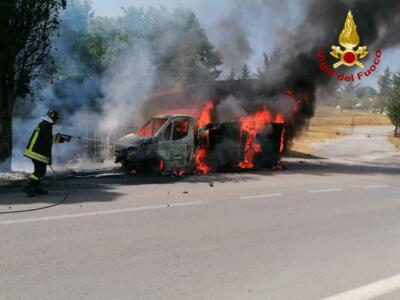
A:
(58, 192)
(103, 189)
(326, 168)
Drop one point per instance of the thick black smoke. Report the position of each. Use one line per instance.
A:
(294, 66)
(378, 24)
(243, 30)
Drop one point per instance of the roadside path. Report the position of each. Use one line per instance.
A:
(367, 144)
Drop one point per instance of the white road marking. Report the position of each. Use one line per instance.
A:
(370, 291)
(261, 196)
(326, 191)
(379, 186)
(99, 213)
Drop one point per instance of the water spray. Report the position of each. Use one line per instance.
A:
(68, 137)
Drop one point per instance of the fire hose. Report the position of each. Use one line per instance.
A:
(67, 138)
(63, 200)
(81, 138)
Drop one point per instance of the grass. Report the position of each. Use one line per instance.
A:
(330, 123)
(395, 141)
(328, 116)
(308, 140)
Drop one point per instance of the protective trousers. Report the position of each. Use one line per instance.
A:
(33, 187)
(39, 171)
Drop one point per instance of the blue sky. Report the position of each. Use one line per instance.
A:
(211, 11)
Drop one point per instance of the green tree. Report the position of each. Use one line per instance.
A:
(89, 49)
(385, 88)
(26, 28)
(347, 95)
(261, 72)
(181, 49)
(106, 39)
(192, 70)
(394, 102)
(82, 58)
(366, 92)
(73, 42)
(368, 98)
(175, 41)
(231, 75)
(245, 72)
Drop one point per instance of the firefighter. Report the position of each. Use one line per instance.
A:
(39, 151)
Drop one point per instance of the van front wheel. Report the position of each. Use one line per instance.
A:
(153, 166)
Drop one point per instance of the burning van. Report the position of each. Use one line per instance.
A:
(190, 134)
(174, 143)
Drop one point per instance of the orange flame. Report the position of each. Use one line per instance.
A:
(162, 165)
(205, 115)
(201, 155)
(200, 160)
(282, 141)
(252, 125)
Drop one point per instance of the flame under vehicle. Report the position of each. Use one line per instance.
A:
(185, 132)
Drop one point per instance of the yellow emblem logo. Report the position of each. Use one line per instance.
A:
(349, 40)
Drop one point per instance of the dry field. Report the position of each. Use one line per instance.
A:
(395, 141)
(330, 123)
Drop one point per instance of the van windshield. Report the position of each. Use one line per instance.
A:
(151, 127)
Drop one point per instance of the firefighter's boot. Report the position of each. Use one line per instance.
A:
(38, 189)
(29, 188)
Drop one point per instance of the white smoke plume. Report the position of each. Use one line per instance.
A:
(127, 84)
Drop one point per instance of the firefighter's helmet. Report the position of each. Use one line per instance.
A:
(54, 115)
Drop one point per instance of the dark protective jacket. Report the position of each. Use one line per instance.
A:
(41, 142)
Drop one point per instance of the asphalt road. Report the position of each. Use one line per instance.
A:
(322, 228)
